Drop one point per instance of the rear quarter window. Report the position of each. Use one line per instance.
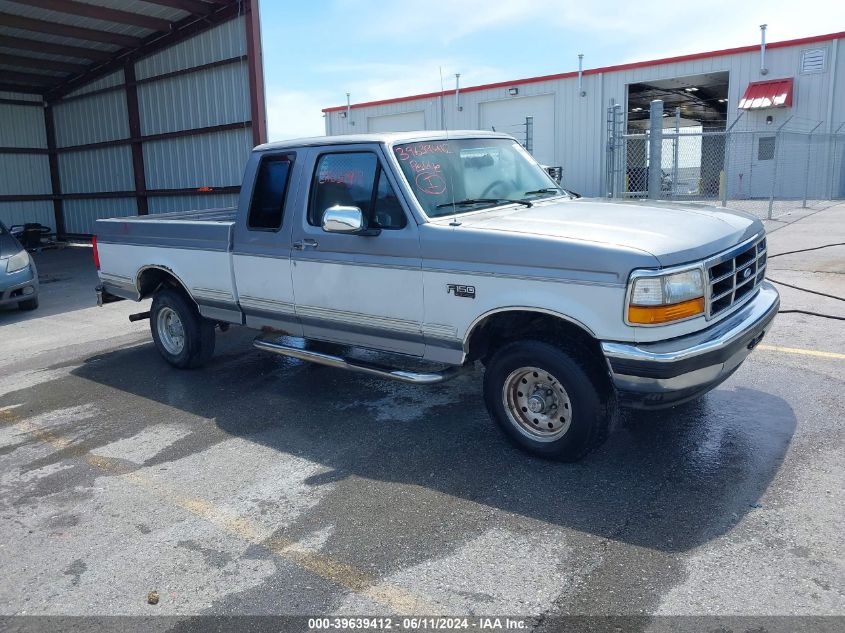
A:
(268, 198)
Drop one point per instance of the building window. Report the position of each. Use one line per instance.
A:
(766, 148)
(268, 197)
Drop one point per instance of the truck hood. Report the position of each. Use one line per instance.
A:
(672, 233)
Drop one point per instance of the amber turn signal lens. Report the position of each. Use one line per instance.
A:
(651, 315)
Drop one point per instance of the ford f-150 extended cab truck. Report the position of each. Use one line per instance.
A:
(453, 248)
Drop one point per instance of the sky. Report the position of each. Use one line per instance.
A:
(316, 51)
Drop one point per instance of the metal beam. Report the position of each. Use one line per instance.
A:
(191, 6)
(25, 150)
(257, 108)
(55, 181)
(99, 13)
(45, 64)
(36, 90)
(31, 78)
(23, 102)
(99, 195)
(197, 131)
(64, 30)
(38, 46)
(133, 114)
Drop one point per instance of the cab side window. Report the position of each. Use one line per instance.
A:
(268, 197)
(355, 179)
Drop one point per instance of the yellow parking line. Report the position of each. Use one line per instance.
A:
(397, 599)
(802, 351)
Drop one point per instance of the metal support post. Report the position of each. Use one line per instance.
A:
(655, 149)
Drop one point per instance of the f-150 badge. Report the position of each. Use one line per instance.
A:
(461, 291)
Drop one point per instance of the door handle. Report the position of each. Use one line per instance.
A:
(301, 245)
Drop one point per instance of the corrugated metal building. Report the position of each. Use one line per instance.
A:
(569, 111)
(118, 107)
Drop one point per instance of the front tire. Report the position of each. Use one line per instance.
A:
(28, 304)
(183, 337)
(549, 400)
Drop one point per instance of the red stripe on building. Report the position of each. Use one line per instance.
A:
(605, 69)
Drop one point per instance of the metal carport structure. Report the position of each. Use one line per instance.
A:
(120, 107)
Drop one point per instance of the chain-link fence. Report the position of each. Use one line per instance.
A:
(771, 171)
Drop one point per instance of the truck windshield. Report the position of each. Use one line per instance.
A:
(462, 175)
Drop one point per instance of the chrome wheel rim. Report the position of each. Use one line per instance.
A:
(537, 404)
(171, 332)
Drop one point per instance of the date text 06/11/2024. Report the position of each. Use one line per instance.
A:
(418, 623)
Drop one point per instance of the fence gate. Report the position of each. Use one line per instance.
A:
(765, 171)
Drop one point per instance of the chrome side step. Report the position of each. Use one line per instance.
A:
(402, 375)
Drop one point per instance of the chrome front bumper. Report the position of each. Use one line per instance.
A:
(654, 375)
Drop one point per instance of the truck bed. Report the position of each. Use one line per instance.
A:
(192, 246)
(208, 229)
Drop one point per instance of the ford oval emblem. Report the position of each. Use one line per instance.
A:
(746, 273)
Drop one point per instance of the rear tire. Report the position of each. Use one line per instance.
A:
(549, 400)
(183, 337)
(28, 304)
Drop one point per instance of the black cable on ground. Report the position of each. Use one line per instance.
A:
(805, 250)
(813, 292)
(815, 314)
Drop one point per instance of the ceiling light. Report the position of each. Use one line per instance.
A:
(691, 89)
(723, 100)
(637, 110)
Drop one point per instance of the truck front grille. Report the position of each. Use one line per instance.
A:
(735, 276)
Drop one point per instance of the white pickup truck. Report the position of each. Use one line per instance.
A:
(455, 248)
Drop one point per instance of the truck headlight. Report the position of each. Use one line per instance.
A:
(17, 262)
(656, 299)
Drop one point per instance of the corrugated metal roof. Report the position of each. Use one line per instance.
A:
(84, 34)
(68, 19)
(54, 39)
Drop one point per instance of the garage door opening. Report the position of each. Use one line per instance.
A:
(695, 112)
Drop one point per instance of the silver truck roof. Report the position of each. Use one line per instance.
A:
(381, 137)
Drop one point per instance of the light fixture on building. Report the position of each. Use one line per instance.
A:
(513, 91)
(769, 120)
(691, 89)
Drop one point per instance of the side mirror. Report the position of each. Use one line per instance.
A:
(348, 220)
